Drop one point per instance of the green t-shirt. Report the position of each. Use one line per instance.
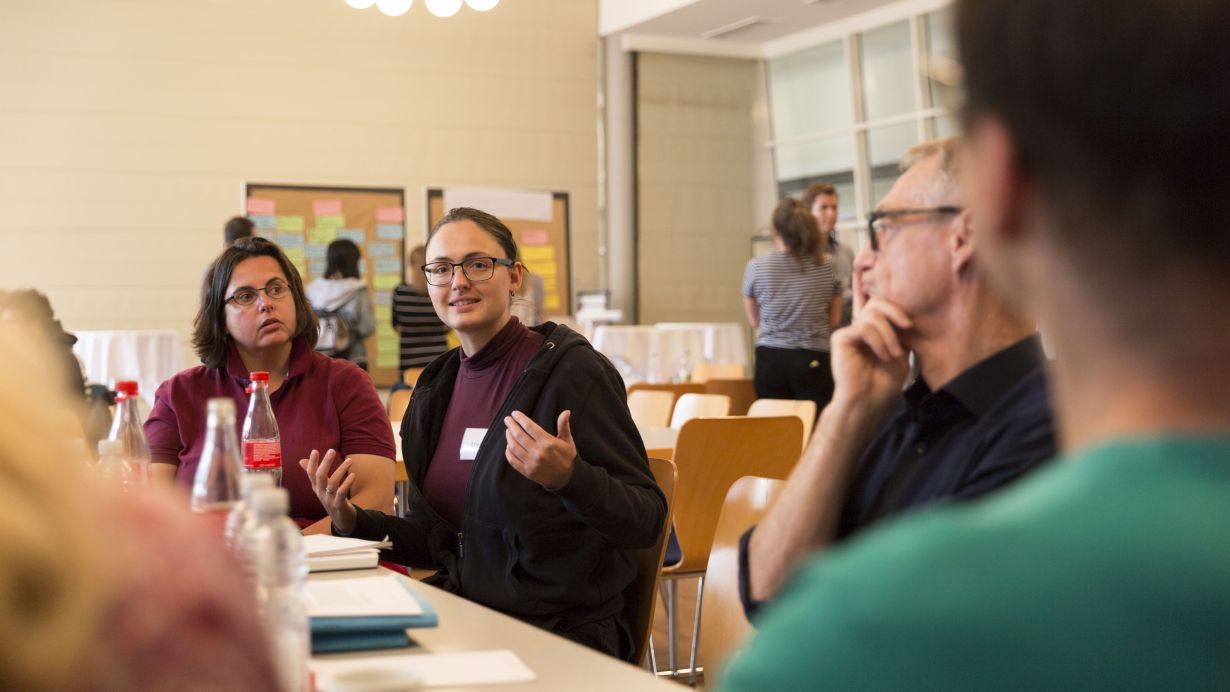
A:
(1108, 570)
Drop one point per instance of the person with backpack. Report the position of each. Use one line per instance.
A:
(342, 305)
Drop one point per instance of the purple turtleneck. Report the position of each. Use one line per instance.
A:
(483, 383)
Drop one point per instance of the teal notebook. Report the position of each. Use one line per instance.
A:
(333, 634)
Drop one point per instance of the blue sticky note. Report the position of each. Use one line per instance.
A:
(384, 298)
(358, 236)
(387, 265)
(264, 221)
(316, 251)
(383, 250)
(392, 231)
(317, 267)
(290, 241)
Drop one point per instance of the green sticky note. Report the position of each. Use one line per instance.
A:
(385, 282)
(331, 221)
(386, 360)
(321, 236)
(385, 330)
(290, 223)
(384, 313)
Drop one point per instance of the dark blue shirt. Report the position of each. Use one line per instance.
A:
(984, 429)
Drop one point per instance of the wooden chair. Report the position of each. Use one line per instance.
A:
(724, 626)
(676, 389)
(398, 401)
(805, 409)
(711, 454)
(740, 390)
(640, 596)
(691, 406)
(650, 408)
(703, 372)
(410, 376)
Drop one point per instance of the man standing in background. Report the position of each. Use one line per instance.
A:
(238, 227)
(821, 200)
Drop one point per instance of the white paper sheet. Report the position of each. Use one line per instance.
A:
(320, 544)
(384, 595)
(457, 669)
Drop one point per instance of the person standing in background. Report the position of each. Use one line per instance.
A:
(342, 291)
(238, 227)
(528, 300)
(821, 200)
(423, 336)
(793, 297)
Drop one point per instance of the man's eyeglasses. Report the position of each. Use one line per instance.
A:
(879, 223)
(246, 297)
(475, 269)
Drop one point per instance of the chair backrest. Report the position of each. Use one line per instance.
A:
(691, 406)
(651, 409)
(741, 390)
(723, 624)
(398, 401)
(676, 389)
(411, 376)
(703, 372)
(805, 409)
(641, 595)
(711, 454)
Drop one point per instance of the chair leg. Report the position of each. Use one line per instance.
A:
(670, 627)
(700, 592)
(651, 661)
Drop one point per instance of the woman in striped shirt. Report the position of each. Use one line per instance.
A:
(793, 296)
(423, 335)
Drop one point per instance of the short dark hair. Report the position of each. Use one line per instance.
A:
(815, 190)
(238, 227)
(488, 222)
(797, 228)
(209, 337)
(1121, 117)
(342, 257)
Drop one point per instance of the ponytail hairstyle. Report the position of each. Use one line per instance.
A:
(794, 224)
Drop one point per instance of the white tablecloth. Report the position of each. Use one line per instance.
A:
(665, 351)
(147, 356)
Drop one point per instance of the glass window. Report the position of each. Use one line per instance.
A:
(946, 126)
(888, 71)
(812, 158)
(885, 145)
(810, 93)
(941, 43)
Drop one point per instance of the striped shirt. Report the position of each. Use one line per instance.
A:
(423, 335)
(794, 295)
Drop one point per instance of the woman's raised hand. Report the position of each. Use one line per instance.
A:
(333, 490)
(540, 456)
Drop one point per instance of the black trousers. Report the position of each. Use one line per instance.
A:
(794, 373)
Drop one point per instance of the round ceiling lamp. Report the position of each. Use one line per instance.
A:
(394, 8)
(482, 5)
(443, 8)
(360, 4)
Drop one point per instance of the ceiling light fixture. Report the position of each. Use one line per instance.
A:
(481, 5)
(394, 8)
(443, 8)
(360, 4)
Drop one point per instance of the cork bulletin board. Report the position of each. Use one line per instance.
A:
(539, 222)
(304, 220)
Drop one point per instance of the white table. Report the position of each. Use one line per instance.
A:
(148, 356)
(662, 352)
(558, 664)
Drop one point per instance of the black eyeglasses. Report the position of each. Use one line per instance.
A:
(878, 222)
(475, 269)
(246, 296)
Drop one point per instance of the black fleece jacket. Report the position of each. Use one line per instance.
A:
(560, 559)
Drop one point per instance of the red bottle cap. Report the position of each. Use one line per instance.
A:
(126, 387)
(259, 376)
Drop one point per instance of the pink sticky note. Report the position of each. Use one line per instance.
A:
(536, 236)
(327, 207)
(390, 214)
(261, 205)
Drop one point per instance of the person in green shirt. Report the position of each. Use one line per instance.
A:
(1088, 129)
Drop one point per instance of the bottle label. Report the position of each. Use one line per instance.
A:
(262, 454)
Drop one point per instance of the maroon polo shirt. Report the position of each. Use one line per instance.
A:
(324, 403)
(483, 383)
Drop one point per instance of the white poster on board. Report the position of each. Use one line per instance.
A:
(523, 205)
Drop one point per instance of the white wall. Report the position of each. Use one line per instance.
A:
(127, 128)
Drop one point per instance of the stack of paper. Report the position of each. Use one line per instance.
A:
(452, 669)
(328, 553)
(364, 613)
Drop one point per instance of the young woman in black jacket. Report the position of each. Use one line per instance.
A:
(529, 484)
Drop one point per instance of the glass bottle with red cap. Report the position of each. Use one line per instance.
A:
(126, 429)
(215, 489)
(262, 445)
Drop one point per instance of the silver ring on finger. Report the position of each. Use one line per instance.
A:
(330, 491)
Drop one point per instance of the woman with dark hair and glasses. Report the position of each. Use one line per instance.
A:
(529, 484)
(341, 291)
(254, 317)
(793, 296)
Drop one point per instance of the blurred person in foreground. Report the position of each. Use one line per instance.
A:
(101, 590)
(1091, 125)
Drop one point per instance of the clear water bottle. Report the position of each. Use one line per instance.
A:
(127, 430)
(215, 489)
(242, 512)
(262, 445)
(271, 549)
(115, 467)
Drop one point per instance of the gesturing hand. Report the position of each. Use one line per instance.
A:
(537, 454)
(333, 490)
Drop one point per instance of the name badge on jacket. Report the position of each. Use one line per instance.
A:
(470, 442)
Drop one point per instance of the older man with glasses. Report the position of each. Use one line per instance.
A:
(975, 414)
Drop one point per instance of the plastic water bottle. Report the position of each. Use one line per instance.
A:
(271, 549)
(242, 512)
(215, 489)
(262, 445)
(115, 466)
(127, 430)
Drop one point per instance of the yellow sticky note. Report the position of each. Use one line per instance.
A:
(551, 301)
(538, 254)
(384, 313)
(331, 221)
(385, 282)
(386, 360)
(289, 223)
(321, 236)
